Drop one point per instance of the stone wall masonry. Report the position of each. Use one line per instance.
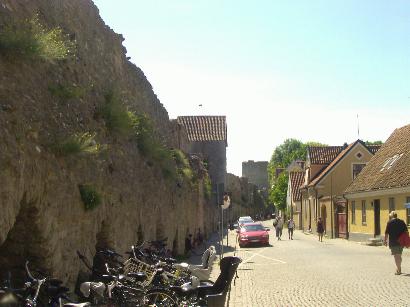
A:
(42, 217)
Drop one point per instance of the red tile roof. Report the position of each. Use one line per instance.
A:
(323, 154)
(296, 181)
(389, 167)
(373, 148)
(204, 128)
(339, 157)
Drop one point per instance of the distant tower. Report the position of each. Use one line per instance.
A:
(256, 172)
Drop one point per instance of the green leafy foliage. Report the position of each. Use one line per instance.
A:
(66, 91)
(30, 39)
(82, 143)
(183, 167)
(278, 192)
(290, 150)
(90, 197)
(150, 147)
(374, 143)
(117, 118)
(207, 187)
(283, 155)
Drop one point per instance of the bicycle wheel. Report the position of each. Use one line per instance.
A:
(160, 297)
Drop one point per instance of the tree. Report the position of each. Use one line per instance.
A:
(290, 150)
(373, 143)
(278, 192)
(282, 156)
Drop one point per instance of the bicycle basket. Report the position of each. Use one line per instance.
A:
(133, 265)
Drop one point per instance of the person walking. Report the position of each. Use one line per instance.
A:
(279, 228)
(320, 229)
(394, 228)
(291, 226)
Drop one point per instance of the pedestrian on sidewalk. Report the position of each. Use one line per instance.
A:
(394, 228)
(291, 226)
(279, 228)
(320, 229)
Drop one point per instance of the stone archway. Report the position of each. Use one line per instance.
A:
(175, 244)
(103, 241)
(24, 242)
(159, 230)
(140, 235)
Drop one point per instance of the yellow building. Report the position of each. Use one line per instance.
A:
(383, 186)
(328, 171)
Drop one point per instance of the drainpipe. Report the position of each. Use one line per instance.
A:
(347, 216)
(301, 211)
(331, 204)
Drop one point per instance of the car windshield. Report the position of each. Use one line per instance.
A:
(253, 227)
(245, 220)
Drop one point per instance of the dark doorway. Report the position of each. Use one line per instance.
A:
(341, 219)
(376, 207)
(323, 215)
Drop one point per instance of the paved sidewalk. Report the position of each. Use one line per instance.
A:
(305, 272)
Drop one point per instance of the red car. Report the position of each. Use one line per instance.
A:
(253, 233)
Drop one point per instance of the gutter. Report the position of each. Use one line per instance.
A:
(380, 192)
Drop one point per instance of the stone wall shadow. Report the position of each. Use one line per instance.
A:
(24, 242)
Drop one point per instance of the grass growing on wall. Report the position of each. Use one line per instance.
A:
(150, 147)
(89, 196)
(31, 39)
(66, 91)
(207, 188)
(117, 118)
(183, 167)
(139, 127)
(83, 143)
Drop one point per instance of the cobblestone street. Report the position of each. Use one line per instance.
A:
(305, 272)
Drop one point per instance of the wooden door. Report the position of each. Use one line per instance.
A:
(341, 220)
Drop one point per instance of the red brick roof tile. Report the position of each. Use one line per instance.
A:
(323, 154)
(296, 181)
(204, 128)
(373, 148)
(339, 157)
(389, 167)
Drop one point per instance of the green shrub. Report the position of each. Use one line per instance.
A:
(31, 39)
(117, 118)
(90, 197)
(207, 187)
(66, 91)
(183, 167)
(77, 144)
(150, 147)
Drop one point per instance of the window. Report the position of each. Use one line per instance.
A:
(408, 211)
(357, 168)
(392, 206)
(353, 212)
(363, 212)
(390, 162)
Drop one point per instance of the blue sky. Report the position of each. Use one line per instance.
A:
(276, 69)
